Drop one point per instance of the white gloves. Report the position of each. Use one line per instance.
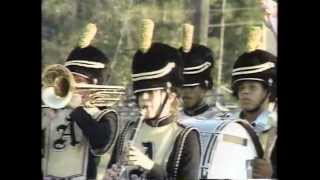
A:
(76, 101)
(92, 111)
(136, 158)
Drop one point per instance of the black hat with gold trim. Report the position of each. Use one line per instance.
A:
(86, 60)
(257, 65)
(155, 65)
(198, 61)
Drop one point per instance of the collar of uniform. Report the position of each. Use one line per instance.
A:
(196, 111)
(159, 122)
(261, 124)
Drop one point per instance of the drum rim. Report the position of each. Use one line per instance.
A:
(211, 145)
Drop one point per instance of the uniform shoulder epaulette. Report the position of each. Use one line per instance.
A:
(104, 112)
(100, 115)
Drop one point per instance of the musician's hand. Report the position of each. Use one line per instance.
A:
(76, 101)
(261, 168)
(136, 158)
(80, 98)
(112, 173)
(91, 110)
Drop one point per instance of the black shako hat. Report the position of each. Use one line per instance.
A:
(160, 67)
(86, 60)
(198, 63)
(257, 65)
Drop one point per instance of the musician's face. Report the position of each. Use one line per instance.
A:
(152, 100)
(250, 94)
(81, 80)
(192, 96)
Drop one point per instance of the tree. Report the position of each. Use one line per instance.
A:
(63, 20)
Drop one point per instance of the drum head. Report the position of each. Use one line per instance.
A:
(231, 153)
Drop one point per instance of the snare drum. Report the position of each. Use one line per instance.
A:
(227, 146)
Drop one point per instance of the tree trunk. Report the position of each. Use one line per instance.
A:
(201, 21)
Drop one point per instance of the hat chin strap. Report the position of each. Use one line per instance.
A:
(160, 109)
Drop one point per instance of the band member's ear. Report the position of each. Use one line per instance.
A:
(172, 97)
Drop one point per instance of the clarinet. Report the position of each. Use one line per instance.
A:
(125, 169)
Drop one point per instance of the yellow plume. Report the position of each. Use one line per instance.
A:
(187, 37)
(146, 33)
(254, 38)
(88, 35)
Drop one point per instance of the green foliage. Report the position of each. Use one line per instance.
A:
(235, 32)
(117, 22)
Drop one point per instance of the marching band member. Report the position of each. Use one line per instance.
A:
(76, 135)
(198, 62)
(254, 85)
(164, 149)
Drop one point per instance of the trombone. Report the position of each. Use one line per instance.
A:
(59, 86)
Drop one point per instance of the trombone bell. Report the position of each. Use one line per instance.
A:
(51, 99)
(59, 87)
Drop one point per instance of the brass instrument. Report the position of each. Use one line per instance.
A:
(59, 86)
(125, 169)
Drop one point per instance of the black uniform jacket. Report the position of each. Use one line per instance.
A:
(101, 134)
